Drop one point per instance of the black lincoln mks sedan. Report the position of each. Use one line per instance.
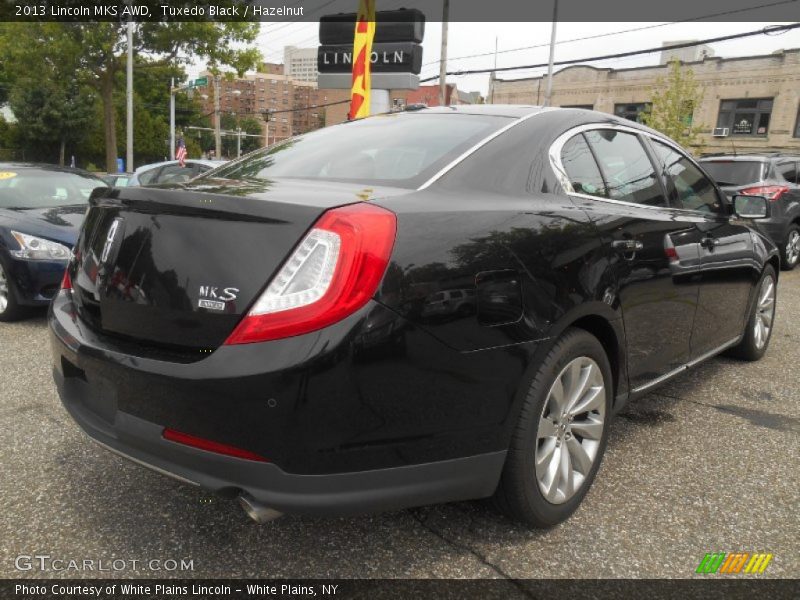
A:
(268, 331)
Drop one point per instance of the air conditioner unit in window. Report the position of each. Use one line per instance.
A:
(720, 132)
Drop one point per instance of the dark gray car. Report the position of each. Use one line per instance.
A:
(774, 176)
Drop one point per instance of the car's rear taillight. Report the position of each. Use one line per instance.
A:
(210, 446)
(333, 272)
(66, 281)
(770, 192)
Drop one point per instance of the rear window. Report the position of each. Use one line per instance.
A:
(400, 149)
(42, 188)
(734, 172)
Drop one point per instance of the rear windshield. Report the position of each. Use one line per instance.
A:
(403, 149)
(42, 188)
(734, 172)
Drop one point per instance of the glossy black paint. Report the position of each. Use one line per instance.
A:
(416, 376)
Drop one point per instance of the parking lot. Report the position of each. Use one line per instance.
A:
(708, 463)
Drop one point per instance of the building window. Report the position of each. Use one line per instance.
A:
(797, 125)
(399, 103)
(632, 112)
(748, 116)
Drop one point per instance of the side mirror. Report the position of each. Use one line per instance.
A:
(750, 207)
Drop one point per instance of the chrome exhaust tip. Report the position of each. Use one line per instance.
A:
(257, 511)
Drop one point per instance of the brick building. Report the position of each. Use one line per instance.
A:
(749, 103)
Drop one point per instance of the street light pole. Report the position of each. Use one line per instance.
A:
(443, 57)
(238, 141)
(172, 119)
(129, 103)
(217, 124)
(549, 90)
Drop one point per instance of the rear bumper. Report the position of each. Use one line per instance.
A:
(337, 494)
(346, 432)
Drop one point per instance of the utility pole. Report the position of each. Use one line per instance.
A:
(129, 103)
(172, 91)
(549, 90)
(217, 123)
(238, 141)
(443, 57)
(494, 74)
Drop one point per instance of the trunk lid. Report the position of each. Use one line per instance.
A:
(178, 267)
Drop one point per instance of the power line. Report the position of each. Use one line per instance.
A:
(623, 54)
(602, 35)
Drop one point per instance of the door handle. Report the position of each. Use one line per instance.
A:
(709, 242)
(627, 245)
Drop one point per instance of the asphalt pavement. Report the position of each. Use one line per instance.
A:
(708, 463)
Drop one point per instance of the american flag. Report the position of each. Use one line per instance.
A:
(180, 153)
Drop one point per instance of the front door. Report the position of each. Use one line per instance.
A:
(725, 247)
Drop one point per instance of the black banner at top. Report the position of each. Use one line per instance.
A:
(459, 10)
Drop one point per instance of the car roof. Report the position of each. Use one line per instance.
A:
(29, 166)
(202, 161)
(498, 110)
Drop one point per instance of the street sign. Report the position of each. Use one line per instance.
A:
(200, 81)
(403, 57)
(402, 25)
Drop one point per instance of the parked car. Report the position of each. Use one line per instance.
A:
(117, 179)
(41, 208)
(459, 303)
(216, 331)
(171, 171)
(774, 176)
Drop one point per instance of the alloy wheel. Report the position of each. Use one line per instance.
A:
(793, 247)
(570, 429)
(3, 290)
(765, 311)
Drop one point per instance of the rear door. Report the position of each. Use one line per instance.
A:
(615, 182)
(725, 245)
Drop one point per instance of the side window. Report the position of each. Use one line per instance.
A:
(626, 168)
(788, 170)
(148, 176)
(686, 185)
(175, 174)
(581, 168)
(199, 168)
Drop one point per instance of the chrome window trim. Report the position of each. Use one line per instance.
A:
(563, 179)
(464, 155)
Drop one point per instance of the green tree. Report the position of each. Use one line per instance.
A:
(673, 104)
(99, 51)
(230, 122)
(52, 107)
(50, 114)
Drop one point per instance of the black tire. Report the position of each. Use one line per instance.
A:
(518, 493)
(749, 348)
(10, 310)
(789, 258)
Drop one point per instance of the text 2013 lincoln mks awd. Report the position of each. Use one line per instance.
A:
(411, 308)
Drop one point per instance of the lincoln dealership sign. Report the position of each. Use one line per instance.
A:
(385, 58)
(396, 57)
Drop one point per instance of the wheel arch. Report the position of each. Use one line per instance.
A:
(604, 323)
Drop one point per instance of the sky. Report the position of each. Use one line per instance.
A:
(468, 39)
